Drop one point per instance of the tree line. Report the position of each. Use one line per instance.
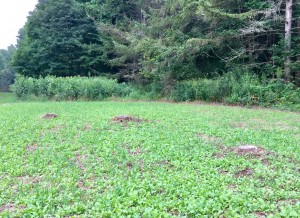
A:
(161, 41)
(7, 73)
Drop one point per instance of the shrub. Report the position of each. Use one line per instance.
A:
(243, 89)
(205, 90)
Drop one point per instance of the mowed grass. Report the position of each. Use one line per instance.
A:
(180, 161)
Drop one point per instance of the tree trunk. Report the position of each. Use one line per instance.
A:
(297, 76)
(288, 27)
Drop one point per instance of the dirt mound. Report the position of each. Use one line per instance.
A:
(246, 149)
(31, 148)
(247, 172)
(126, 119)
(87, 127)
(50, 116)
(10, 208)
(250, 150)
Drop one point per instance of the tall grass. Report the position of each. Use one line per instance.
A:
(244, 89)
(70, 88)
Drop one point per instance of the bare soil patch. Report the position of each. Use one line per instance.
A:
(126, 119)
(265, 161)
(261, 214)
(129, 166)
(289, 201)
(209, 138)
(81, 184)
(166, 163)
(10, 208)
(232, 186)
(31, 148)
(141, 165)
(258, 124)
(56, 129)
(53, 130)
(78, 161)
(50, 116)
(132, 152)
(30, 180)
(285, 126)
(223, 172)
(87, 127)
(239, 125)
(135, 152)
(247, 172)
(251, 151)
(219, 155)
(160, 192)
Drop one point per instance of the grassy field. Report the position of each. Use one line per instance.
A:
(176, 160)
(7, 98)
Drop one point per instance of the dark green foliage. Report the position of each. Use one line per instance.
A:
(149, 41)
(6, 56)
(2, 61)
(190, 39)
(7, 73)
(7, 76)
(115, 11)
(204, 89)
(70, 88)
(60, 40)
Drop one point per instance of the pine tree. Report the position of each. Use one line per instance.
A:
(60, 40)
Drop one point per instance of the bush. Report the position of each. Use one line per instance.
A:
(233, 88)
(243, 89)
(70, 88)
(250, 90)
(205, 90)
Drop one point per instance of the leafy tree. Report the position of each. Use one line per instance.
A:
(7, 74)
(2, 60)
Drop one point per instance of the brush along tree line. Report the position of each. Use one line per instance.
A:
(161, 42)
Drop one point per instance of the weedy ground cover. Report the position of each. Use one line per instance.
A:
(7, 98)
(161, 160)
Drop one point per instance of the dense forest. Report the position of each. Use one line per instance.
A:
(7, 74)
(161, 42)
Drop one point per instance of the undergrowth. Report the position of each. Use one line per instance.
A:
(70, 88)
(243, 90)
